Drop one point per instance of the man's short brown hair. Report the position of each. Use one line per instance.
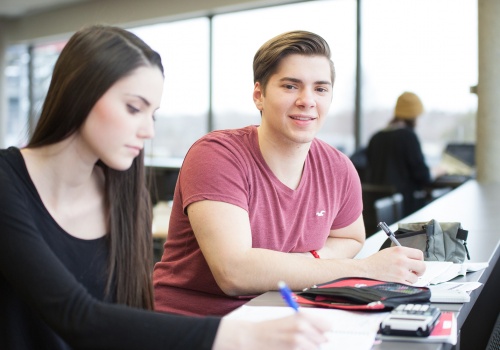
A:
(270, 54)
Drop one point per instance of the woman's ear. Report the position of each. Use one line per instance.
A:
(257, 95)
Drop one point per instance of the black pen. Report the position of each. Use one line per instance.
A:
(389, 233)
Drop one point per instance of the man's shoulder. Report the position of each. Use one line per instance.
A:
(228, 135)
(235, 146)
(330, 159)
(247, 130)
(323, 148)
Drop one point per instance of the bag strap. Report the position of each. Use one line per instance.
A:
(462, 234)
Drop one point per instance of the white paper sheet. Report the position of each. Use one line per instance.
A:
(442, 271)
(350, 330)
(452, 292)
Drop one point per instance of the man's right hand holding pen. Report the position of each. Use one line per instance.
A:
(388, 232)
(402, 264)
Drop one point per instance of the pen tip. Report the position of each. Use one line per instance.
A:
(281, 284)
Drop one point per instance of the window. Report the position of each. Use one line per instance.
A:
(22, 110)
(182, 117)
(44, 58)
(237, 36)
(16, 72)
(428, 47)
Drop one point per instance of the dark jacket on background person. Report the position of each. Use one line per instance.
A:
(395, 158)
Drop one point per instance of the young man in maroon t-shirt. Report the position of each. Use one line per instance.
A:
(265, 203)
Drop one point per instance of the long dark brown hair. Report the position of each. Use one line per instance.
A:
(93, 60)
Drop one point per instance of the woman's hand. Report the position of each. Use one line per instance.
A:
(298, 331)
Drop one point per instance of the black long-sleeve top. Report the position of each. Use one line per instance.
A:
(395, 157)
(52, 284)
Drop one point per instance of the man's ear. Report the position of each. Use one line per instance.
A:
(257, 95)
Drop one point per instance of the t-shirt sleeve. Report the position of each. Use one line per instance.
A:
(40, 279)
(214, 170)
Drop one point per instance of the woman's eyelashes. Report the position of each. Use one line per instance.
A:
(132, 109)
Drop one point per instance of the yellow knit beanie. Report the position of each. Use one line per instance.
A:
(408, 106)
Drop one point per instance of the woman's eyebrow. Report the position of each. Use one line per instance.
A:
(142, 98)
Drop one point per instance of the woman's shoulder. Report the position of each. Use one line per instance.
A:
(10, 153)
(11, 159)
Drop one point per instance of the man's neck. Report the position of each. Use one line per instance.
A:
(285, 159)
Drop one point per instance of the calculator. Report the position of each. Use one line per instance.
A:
(417, 320)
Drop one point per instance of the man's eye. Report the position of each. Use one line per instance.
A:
(132, 109)
(288, 86)
(321, 89)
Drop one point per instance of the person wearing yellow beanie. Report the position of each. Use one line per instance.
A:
(395, 157)
(408, 106)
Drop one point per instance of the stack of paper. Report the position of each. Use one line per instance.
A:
(437, 276)
(442, 271)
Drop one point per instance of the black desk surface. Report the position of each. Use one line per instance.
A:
(477, 207)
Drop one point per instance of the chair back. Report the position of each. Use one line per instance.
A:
(389, 209)
(371, 193)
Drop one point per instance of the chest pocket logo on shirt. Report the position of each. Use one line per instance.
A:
(320, 213)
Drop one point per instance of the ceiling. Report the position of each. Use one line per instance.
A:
(19, 8)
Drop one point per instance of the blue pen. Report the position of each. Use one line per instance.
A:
(286, 293)
(389, 233)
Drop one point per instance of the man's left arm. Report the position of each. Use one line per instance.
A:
(345, 242)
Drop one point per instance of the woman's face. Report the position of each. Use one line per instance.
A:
(122, 119)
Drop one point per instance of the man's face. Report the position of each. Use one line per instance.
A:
(297, 98)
